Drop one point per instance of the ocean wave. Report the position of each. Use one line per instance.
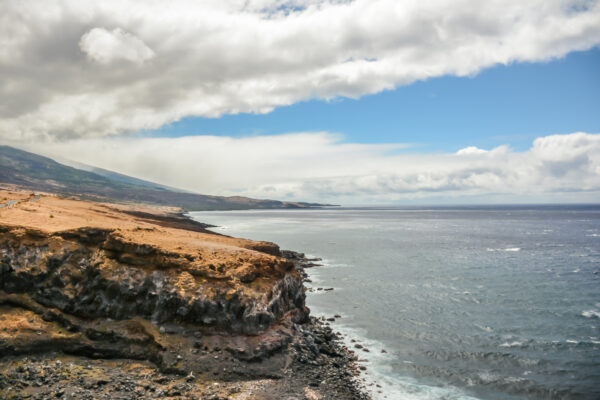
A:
(512, 344)
(381, 382)
(584, 343)
(408, 389)
(497, 357)
(508, 249)
(484, 328)
(591, 314)
(514, 379)
(542, 346)
(488, 377)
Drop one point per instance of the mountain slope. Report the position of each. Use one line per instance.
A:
(34, 172)
(115, 176)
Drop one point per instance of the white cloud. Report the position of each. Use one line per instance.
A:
(321, 167)
(471, 150)
(106, 46)
(74, 68)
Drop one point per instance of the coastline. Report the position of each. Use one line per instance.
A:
(51, 347)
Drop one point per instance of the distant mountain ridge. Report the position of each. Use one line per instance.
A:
(119, 177)
(34, 172)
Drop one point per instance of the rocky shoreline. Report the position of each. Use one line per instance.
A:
(148, 305)
(318, 367)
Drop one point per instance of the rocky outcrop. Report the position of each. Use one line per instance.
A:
(96, 273)
(107, 282)
(85, 267)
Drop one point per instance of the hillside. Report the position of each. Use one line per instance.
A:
(34, 172)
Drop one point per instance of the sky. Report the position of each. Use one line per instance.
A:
(350, 102)
(501, 105)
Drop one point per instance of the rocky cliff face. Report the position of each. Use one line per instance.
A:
(130, 273)
(97, 273)
(86, 281)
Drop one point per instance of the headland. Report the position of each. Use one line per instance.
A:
(99, 300)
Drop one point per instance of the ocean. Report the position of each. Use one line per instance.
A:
(481, 302)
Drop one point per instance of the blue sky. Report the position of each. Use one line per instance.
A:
(475, 101)
(510, 104)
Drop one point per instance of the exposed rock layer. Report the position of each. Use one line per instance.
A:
(95, 273)
(139, 271)
(111, 282)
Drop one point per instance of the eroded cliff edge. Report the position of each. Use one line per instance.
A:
(102, 281)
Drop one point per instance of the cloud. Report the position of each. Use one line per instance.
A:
(471, 150)
(321, 167)
(106, 46)
(74, 69)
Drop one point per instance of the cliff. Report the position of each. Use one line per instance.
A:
(112, 282)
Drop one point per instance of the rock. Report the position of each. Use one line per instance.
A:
(132, 303)
(190, 377)
(104, 278)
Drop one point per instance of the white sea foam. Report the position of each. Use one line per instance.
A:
(487, 376)
(510, 249)
(379, 372)
(409, 389)
(512, 344)
(591, 314)
(484, 328)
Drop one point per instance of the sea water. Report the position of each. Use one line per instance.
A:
(465, 302)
